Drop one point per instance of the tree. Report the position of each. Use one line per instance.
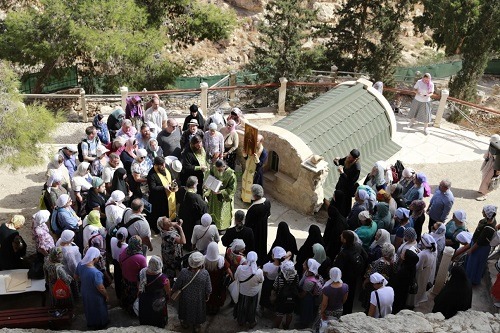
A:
(450, 22)
(479, 46)
(286, 26)
(189, 21)
(24, 127)
(387, 52)
(101, 35)
(350, 45)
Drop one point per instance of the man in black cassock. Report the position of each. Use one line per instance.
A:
(191, 207)
(256, 219)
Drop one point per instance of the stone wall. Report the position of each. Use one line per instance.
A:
(292, 184)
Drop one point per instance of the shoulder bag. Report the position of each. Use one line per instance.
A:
(176, 294)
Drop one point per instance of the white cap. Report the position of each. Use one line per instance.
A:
(71, 148)
(101, 150)
(141, 153)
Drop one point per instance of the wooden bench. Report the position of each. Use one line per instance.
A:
(40, 317)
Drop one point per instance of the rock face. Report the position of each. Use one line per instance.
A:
(252, 5)
(326, 10)
(415, 322)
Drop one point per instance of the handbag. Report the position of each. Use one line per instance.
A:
(494, 183)
(176, 294)
(234, 290)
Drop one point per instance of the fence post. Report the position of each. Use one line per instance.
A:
(334, 73)
(442, 104)
(282, 96)
(83, 105)
(232, 92)
(124, 93)
(443, 269)
(204, 98)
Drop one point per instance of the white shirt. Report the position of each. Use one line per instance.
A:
(156, 116)
(109, 171)
(386, 298)
(252, 286)
(271, 270)
(114, 214)
(115, 250)
(423, 89)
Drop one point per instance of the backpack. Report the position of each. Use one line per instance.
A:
(79, 147)
(358, 263)
(495, 238)
(60, 290)
(125, 225)
(289, 294)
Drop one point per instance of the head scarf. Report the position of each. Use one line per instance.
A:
(213, 255)
(92, 253)
(362, 195)
(439, 233)
(313, 266)
(96, 182)
(402, 213)
(40, 217)
(460, 215)
(464, 237)
(17, 221)
(129, 146)
(118, 112)
(55, 177)
(421, 177)
(284, 238)
(155, 265)
(118, 183)
(427, 241)
(82, 170)
(408, 172)
(55, 255)
(379, 178)
(116, 197)
(288, 270)
(122, 231)
(278, 252)
(429, 85)
(237, 245)
(134, 245)
(490, 211)
(410, 234)
(335, 276)
(206, 220)
(94, 219)
(67, 236)
(388, 251)
(62, 200)
(252, 261)
(385, 237)
(417, 208)
(396, 190)
(196, 260)
(319, 253)
(377, 278)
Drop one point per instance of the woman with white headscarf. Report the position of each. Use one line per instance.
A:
(250, 279)
(57, 165)
(194, 283)
(286, 286)
(235, 254)
(94, 295)
(71, 252)
(218, 268)
(65, 218)
(421, 106)
(381, 298)
(438, 233)
(114, 209)
(53, 189)
(335, 294)
(490, 167)
(480, 244)
(204, 234)
(154, 288)
(376, 178)
(271, 271)
(310, 286)
(41, 234)
(81, 183)
(382, 237)
(426, 267)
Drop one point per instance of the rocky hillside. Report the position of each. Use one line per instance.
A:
(235, 52)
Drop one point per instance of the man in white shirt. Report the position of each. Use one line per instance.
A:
(156, 114)
(109, 170)
(381, 298)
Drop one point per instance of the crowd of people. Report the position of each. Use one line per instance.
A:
(140, 174)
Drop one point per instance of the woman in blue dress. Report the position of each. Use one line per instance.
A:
(94, 294)
(480, 245)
